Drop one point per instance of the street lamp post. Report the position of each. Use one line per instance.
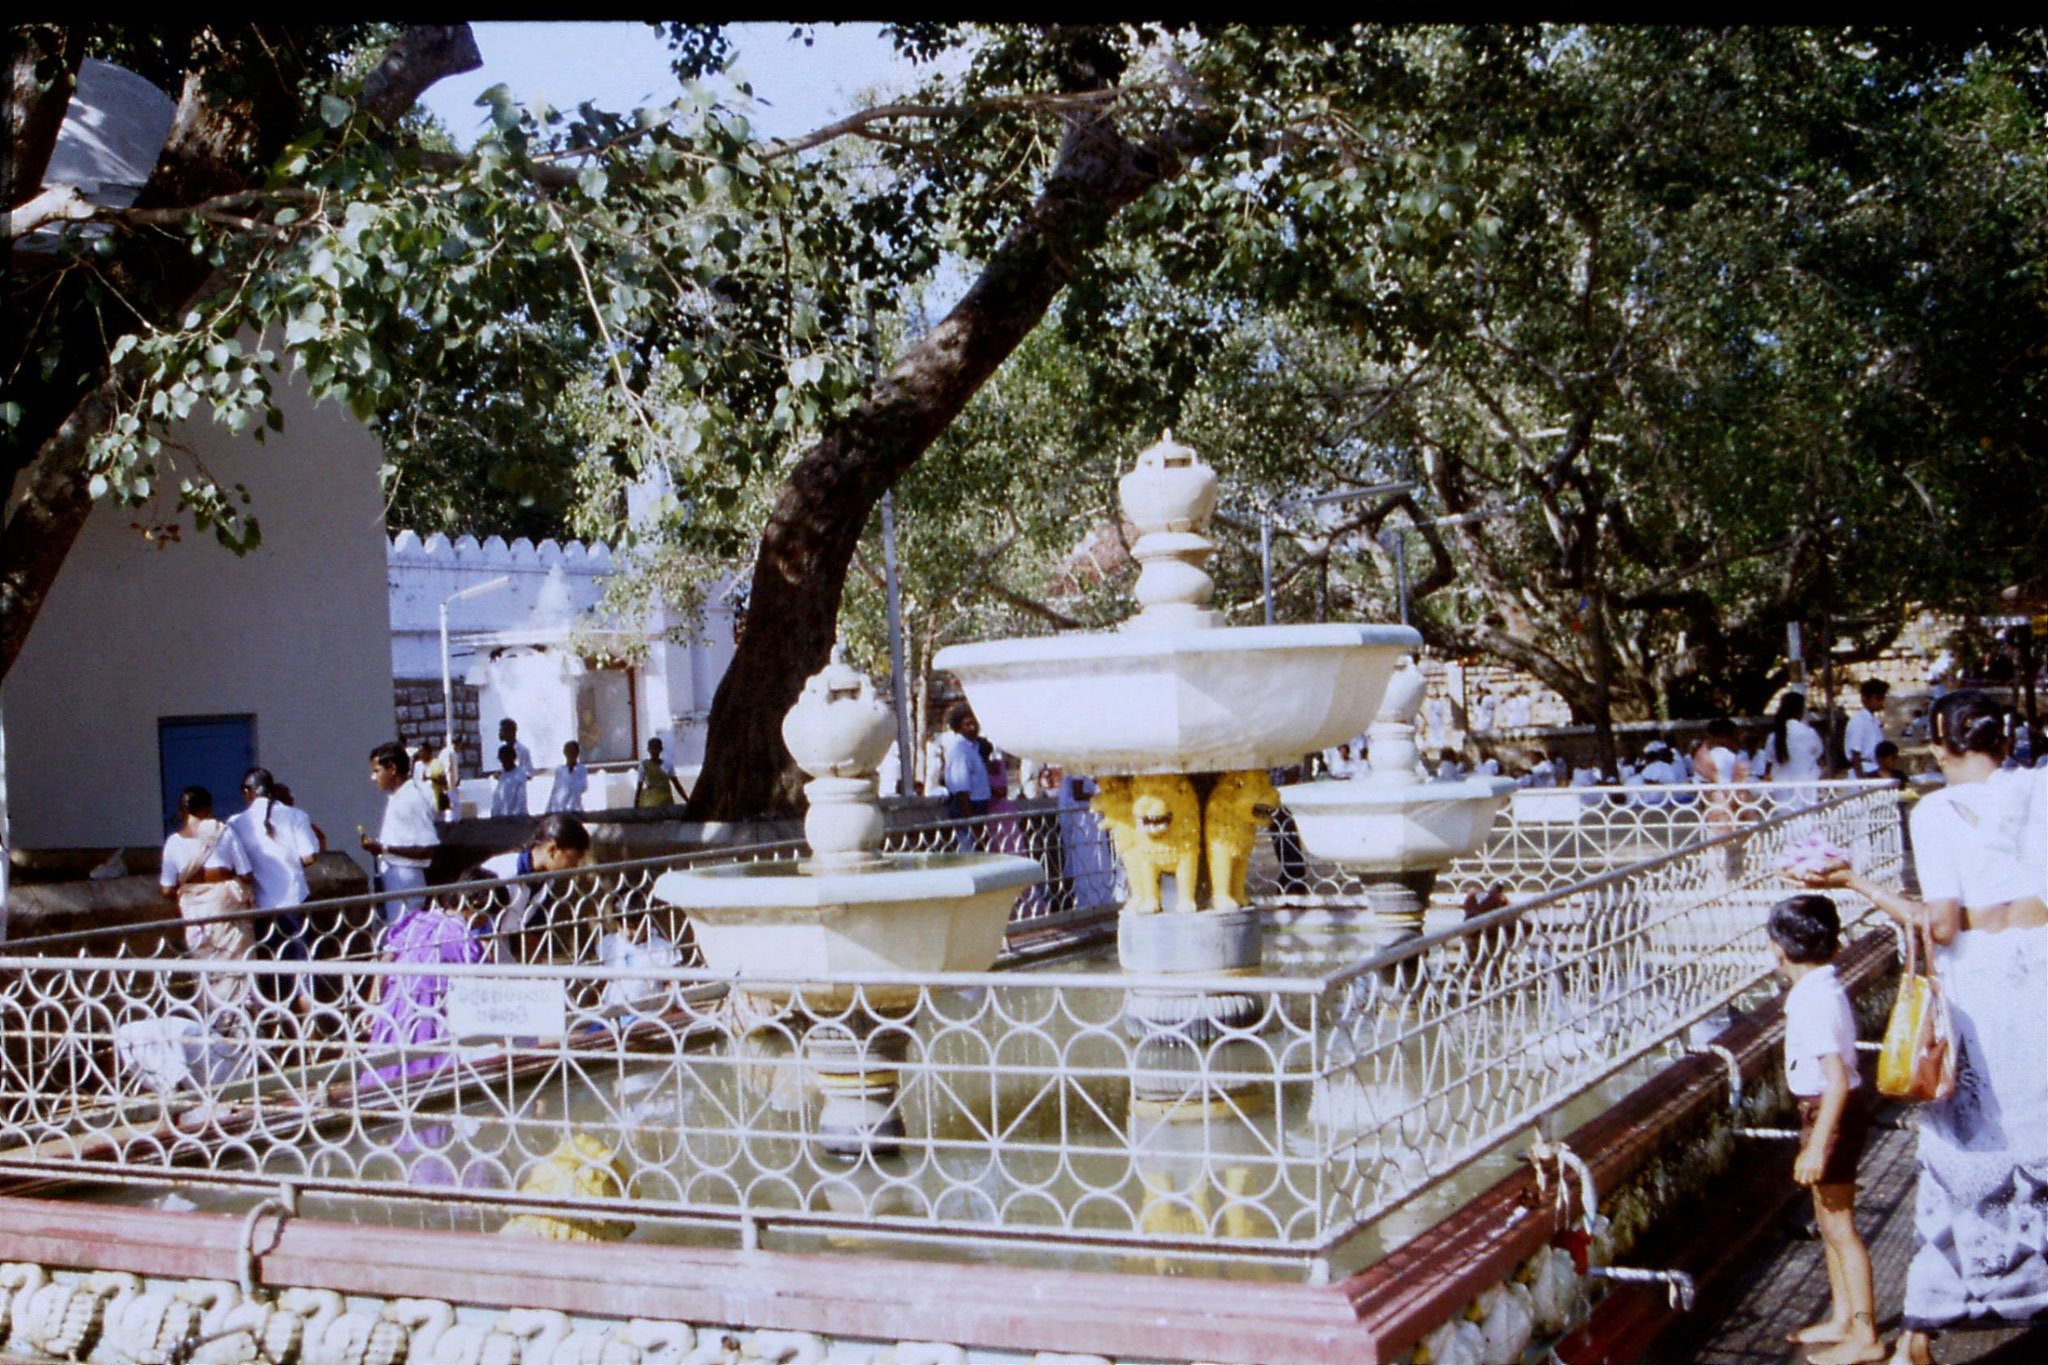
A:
(892, 594)
(448, 677)
(1395, 538)
(1296, 504)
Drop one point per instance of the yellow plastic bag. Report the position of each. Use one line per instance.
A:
(1917, 1060)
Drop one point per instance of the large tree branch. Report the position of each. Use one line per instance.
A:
(46, 520)
(35, 108)
(810, 536)
(1044, 611)
(421, 56)
(862, 123)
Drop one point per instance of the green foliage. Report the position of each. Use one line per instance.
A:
(1710, 330)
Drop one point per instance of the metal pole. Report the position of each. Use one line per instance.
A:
(448, 685)
(892, 592)
(904, 776)
(448, 711)
(1266, 561)
(1401, 571)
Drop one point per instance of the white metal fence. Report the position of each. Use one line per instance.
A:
(1038, 1118)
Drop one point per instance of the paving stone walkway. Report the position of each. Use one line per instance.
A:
(1789, 1287)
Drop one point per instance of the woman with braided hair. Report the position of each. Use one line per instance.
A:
(279, 842)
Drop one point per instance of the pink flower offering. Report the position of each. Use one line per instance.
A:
(1812, 854)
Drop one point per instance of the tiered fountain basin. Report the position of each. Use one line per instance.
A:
(905, 912)
(848, 910)
(1189, 700)
(1386, 828)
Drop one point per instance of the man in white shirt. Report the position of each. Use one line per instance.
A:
(967, 785)
(572, 779)
(406, 841)
(508, 733)
(1866, 730)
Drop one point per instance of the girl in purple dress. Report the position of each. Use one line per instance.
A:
(410, 1012)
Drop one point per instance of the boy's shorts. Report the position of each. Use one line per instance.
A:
(1852, 1132)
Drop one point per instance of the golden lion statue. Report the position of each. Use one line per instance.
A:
(1112, 806)
(580, 1167)
(1239, 805)
(1165, 837)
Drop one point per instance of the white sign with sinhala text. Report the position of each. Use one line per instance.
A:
(507, 1008)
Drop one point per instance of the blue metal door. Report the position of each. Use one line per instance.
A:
(205, 751)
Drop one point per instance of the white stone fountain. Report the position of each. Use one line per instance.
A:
(1179, 717)
(1395, 829)
(784, 924)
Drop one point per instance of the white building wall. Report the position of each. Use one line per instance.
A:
(296, 633)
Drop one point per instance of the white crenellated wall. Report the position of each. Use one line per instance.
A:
(546, 578)
(511, 643)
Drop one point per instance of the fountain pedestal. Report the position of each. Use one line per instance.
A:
(788, 925)
(1179, 718)
(857, 1061)
(1213, 943)
(1394, 830)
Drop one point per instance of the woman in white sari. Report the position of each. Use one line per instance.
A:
(1981, 1210)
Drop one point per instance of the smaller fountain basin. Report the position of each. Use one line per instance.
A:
(1395, 827)
(790, 921)
(1179, 700)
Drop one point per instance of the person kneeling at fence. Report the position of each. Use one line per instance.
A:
(411, 1012)
(558, 843)
(1834, 1119)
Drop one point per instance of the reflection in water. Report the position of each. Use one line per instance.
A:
(1032, 1107)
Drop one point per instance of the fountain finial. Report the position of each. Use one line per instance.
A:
(838, 732)
(1169, 495)
(1391, 750)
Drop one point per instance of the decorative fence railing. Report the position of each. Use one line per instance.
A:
(1039, 1114)
(1547, 838)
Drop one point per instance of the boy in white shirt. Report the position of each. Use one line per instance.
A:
(1866, 730)
(572, 779)
(510, 797)
(406, 841)
(1834, 1122)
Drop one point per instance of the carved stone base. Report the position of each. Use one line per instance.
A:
(1208, 943)
(1399, 900)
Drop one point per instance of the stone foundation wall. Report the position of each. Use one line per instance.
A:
(417, 704)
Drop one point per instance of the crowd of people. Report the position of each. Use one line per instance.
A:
(237, 883)
(1791, 753)
(655, 782)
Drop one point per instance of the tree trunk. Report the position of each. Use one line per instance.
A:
(800, 570)
(35, 110)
